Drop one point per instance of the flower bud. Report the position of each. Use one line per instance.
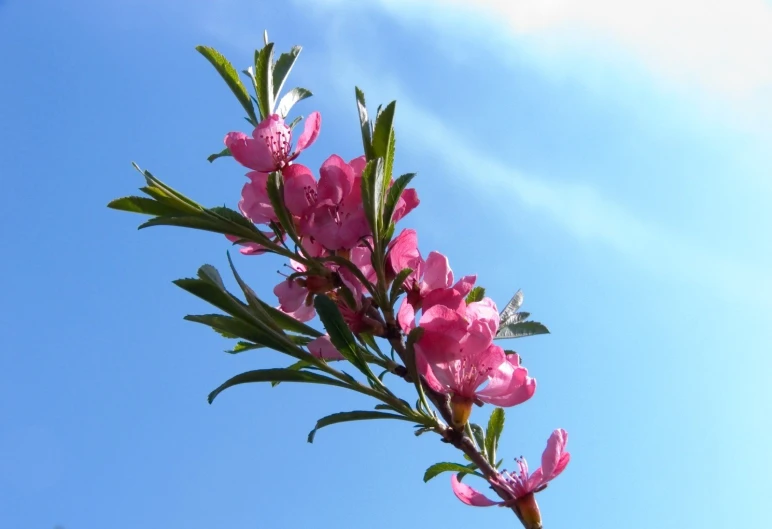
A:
(461, 408)
(529, 511)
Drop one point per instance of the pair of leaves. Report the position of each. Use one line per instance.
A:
(512, 323)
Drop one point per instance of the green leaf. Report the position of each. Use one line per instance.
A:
(275, 188)
(290, 99)
(264, 80)
(282, 69)
(255, 305)
(225, 152)
(340, 335)
(230, 325)
(364, 124)
(240, 347)
(396, 286)
(348, 416)
(146, 206)
(288, 323)
(438, 468)
(477, 294)
(231, 77)
(383, 130)
(275, 375)
(521, 330)
(493, 433)
(512, 307)
(234, 217)
(395, 192)
(372, 194)
(297, 366)
(479, 436)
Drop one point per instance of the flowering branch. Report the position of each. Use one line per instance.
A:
(349, 269)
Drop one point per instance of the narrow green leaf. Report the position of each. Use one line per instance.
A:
(240, 347)
(231, 77)
(393, 196)
(348, 416)
(146, 206)
(297, 366)
(288, 323)
(275, 188)
(340, 335)
(227, 324)
(275, 375)
(264, 80)
(477, 294)
(397, 285)
(383, 130)
(438, 468)
(225, 152)
(479, 436)
(372, 194)
(521, 330)
(493, 433)
(290, 99)
(282, 69)
(254, 303)
(512, 307)
(364, 124)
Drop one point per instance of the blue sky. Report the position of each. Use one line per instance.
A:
(612, 161)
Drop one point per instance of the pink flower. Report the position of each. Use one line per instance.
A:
(329, 210)
(250, 248)
(520, 484)
(407, 202)
(433, 276)
(322, 348)
(255, 204)
(269, 148)
(296, 295)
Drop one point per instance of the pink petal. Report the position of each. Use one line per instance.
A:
(438, 273)
(406, 203)
(249, 248)
(468, 495)
(322, 348)
(465, 285)
(254, 203)
(299, 189)
(406, 316)
(428, 372)
(447, 297)
(554, 459)
(509, 385)
(304, 313)
(404, 253)
(358, 165)
(335, 181)
(310, 132)
(291, 295)
(249, 152)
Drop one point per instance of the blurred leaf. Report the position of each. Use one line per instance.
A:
(146, 206)
(479, 436)
(348, 416)
(521, 329)
(340, 335)
(364, 124)
(275, 375)
(290, 99)
(231, 77)
(477, 294)
(393, 196)
(282, 69)
(512, 307)
(264, 80)
(372, 194)
(493, 433)
(227, 324)
(288, 323)
(438, 468)
(240, 347)
(225, 152)
(383, 131)
(396, 286)
(297, 366)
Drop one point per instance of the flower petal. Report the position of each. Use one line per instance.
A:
(291, 295)
(335, 180)
(322, 348)
(468, 495)
(310, 132)
(555, 458)
(249, 152)
(438, 273)
(299, 189)
(509, 385)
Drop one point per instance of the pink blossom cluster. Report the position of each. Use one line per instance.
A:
(455, 353)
